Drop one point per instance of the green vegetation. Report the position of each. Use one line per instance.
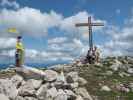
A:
(96, 76)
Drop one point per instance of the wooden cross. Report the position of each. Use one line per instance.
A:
(89, 24)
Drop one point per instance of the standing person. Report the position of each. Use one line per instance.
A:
(89, 56)
(97, 54)
(19, 52)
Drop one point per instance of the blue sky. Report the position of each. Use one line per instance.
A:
(103, 9)
(48, 30)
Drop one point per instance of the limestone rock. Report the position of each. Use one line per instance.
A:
(8, 88)
(109, 73)
(36, 83)
(52, 92)
(30, 98)
(130, 70)
(60, 85)
(69, 79)
(74, 85)
(123, 74)
(22, 71)
(72, 77)
(130, 60)
(50, 75)
(105, 88)
(3, 97)
(19, 98)
(61, 77)
(79, 98)
(41, 92)
(27, 89)
(17, 80)
(29, 72)
(71, 95)
(116, 65)
(84, 93)
(61, 95)
(82, 81)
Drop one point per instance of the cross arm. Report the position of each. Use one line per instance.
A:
(88, 24)
(81, 24)
(97, 24)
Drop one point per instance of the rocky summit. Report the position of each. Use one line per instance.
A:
(52, 85)
(111, 79)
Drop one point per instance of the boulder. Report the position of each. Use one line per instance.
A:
(57, 84)
(17, 80)
(60, 85)
(29, 72)
(72, 77)
(74, 85)
(61, 77)
(130, 70)
(71, 95)
(8, 88)
(116, 65)
(50, 75)
(123, 74)
(109, 73)
(130, 60)
(36, 83)
(84, 93)
(82, 81)
(105, 88)
(22, 71)
(27, 89)
(3, 97)
(19, 98)
(69, 79)
(41, 92)
(58, 68)
(79, 98)
(30, 98)
(61, 95)
(52, 92)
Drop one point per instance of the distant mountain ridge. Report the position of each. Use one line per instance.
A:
(36, 65)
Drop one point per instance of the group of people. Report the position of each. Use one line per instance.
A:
(93, 55)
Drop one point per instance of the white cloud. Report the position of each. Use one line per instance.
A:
(9, 3)
(57, 40)
(43, 56)
(35, 23)
(35, 56)
(7, 43)
(78, 43)
(31, 53)
(29, 21)
(121, 40)
(118, 11)
(64, 44)
(71, 48)
(68, 24)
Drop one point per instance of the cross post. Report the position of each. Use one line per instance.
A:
(90, 25)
